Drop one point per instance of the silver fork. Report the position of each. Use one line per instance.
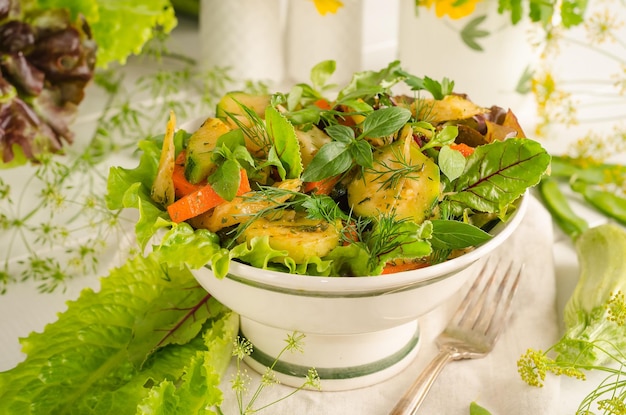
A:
(471, 332)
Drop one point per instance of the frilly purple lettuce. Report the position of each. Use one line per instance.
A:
(46, 61)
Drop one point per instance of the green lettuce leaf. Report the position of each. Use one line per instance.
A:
(260, 254)
(498, 173)
(120, 27)
(149, 323)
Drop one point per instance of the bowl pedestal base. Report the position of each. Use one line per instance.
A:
(343, 362)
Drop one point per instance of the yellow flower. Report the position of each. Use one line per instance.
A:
(327, 6)
(455, 9)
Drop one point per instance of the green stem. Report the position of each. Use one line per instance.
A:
(603, 52)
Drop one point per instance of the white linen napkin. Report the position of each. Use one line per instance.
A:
(492, 382)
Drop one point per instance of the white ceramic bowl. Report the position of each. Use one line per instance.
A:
(359, 330)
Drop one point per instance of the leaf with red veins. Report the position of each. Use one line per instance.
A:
(174, 318)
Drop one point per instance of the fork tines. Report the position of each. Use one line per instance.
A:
(492, 290)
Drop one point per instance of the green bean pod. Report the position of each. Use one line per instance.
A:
(555, 201)
(604, 201)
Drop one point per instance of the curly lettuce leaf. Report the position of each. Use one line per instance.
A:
(260, 254)
(112, 350)
(498, 173)
(369, 256)
(130, 188)
(120, 27)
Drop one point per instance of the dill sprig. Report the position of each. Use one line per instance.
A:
(277, 200)
(387, 235)
(391, 173)
(53, 214)
(609, 395)
(241, 381)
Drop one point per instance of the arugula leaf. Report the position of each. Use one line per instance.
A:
(113, 348)
(498, 173)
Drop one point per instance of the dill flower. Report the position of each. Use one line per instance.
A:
(313, 379)
(242, 348)
(532, 367)
(295, 342)
(619, 79)
(613, 406)
(601, 26)
(616, 308)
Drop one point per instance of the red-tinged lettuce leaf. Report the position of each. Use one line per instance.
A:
(46, 61)
(498, 173)
(86, 361)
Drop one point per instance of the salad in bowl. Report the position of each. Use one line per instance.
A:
(343, 219)
(366, 183)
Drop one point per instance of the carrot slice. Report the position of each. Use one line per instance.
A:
(202, 200)
(321, 187)
(322, 104)
(182, 186)
(399, 266)
(463, 149)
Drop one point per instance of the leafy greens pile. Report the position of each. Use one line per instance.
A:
(150, 341)
(49, 50)
(476, 190)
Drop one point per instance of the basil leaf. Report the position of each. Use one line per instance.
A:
(309, 115)
(321, 72)
(293, 98)
(385, 121)
(498, 173)
(445, 137)
(332, 159)
(340, 133)
(225, 180)
(452, 234)
(285, 142)
(231, 139)
(362, 153)
(451, 162)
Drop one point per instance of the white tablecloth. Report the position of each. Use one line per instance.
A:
(492, 382)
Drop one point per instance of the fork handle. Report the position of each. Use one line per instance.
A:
(412, 399)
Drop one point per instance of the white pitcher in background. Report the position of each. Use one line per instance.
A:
(245, 35)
